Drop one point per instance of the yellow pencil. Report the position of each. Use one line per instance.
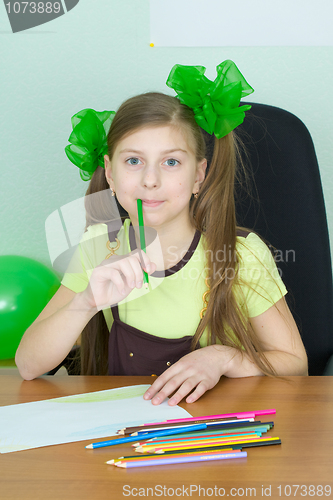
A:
(157, 449)
(215, 439)
(200, 437)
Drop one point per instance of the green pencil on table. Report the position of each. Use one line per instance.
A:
(142, 239)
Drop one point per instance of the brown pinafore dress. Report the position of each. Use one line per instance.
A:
(135, 352)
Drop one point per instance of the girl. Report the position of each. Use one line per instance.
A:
(216, 302)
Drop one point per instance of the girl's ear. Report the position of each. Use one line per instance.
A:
(204, 167)
(108, 171)
(201, 173)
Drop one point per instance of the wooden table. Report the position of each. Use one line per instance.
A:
(303, 420)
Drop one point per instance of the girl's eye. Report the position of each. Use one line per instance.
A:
(172, 162)
(133, 161)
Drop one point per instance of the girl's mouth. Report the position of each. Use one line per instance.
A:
(151, 203)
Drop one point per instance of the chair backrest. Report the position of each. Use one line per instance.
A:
(288, 211)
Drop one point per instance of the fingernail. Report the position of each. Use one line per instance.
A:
(146, 395)
(172, 402)
(148, 268)
(139, 284)
(156, 400)
(123, 292)
(133, 284)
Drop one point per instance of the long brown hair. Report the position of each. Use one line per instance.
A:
(212, 213)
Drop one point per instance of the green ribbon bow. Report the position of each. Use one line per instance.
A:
(215, 104)
(89, 140)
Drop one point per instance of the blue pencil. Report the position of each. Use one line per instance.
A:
(210, 432)
(148, 435)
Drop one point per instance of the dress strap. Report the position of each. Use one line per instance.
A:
(115, 313)
(114, 227)
(242, 232)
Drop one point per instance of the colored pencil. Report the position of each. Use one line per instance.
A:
(142, 239)
(131, 439)
(210, 426)
(159, 424)
(181, 460)
(198, 439)
(178, 445)
(205, 437)
(240, 441)
(173, 454)
(207, 449)
(247, 444)
(212, 432)
(244, 414)
(206, 418)
(225, 423)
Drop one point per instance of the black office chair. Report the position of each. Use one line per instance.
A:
(287, 209)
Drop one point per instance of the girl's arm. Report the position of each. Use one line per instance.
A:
(201, 370)
(279, 336)
(52, 335)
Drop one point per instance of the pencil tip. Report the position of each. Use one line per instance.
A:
(110, 462)
(146, 286)
(89, 447)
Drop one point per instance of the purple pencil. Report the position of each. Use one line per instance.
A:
(180, 460)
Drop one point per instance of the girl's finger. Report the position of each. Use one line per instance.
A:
(197, 393)
(132, 271)
(145, 262)
(161, 381)
(183, 390)
(114, 276)
(169, 388)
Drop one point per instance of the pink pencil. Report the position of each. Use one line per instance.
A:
(244, 414)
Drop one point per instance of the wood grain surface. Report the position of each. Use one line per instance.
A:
(303, 420)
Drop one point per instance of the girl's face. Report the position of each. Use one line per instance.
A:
(158, 166)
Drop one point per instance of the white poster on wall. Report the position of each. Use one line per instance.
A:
(220, 23)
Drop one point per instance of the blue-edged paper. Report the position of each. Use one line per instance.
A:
(80, 417)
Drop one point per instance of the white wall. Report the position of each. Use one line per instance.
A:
(98, 55)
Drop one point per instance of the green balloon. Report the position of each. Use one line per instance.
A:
(26, 286)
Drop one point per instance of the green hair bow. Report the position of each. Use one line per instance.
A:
(89, 140)
(215, 104)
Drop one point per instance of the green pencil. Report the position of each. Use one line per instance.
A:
(142, 239)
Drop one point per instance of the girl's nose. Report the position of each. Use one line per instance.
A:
(151, 177)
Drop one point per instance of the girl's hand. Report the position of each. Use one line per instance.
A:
(115, 278)
(200, 370)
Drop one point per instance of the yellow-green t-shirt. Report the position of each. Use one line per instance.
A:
(171, 307)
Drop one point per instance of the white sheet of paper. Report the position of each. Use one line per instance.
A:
(76, 418)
